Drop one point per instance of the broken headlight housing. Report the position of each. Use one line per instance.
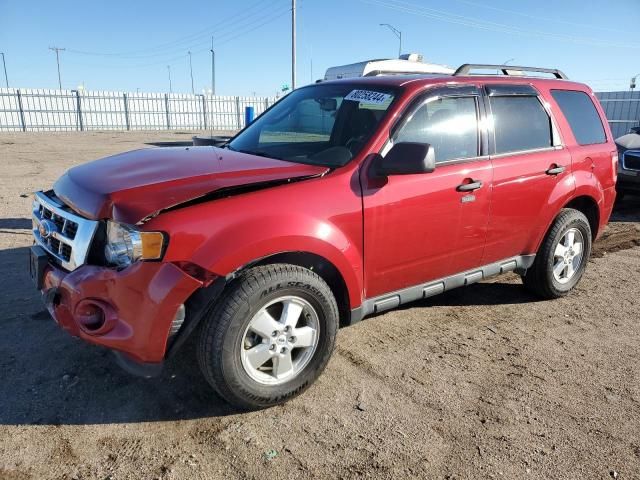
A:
(126, 245)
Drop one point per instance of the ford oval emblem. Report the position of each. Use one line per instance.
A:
(46, 228)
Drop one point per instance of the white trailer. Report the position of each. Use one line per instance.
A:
(407, 64)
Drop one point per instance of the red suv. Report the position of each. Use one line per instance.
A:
(344, 199)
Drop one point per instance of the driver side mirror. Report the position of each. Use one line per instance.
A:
(406, 158)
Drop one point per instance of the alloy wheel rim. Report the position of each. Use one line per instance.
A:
(280, 340)
(568, 255)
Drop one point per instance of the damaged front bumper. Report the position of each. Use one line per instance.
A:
(130, 311)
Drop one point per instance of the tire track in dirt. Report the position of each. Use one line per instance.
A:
(615, 238)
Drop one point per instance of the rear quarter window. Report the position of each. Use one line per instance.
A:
(579, 110)
(520, 123)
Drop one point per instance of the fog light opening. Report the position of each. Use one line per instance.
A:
(91, 317)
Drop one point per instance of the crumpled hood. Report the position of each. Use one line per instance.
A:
(131, 186)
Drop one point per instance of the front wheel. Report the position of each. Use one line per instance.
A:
(563, 256)
(270, 335)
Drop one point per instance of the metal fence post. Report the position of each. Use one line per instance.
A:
(24, 125)
(79, 110)
(126, 111)
(204, 112)
(266, 103)
(166, 106)
(239, 113)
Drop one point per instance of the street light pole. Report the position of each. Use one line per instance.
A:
(58, 50)
(213, 69)
(4, 64)
(505, 63)
(397, 33)
(170, 86)
(193, 91)
(293, 44)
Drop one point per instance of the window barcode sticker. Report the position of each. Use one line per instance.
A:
(368, 97)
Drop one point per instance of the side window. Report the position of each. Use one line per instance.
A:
(582, 116)
(448, 124)
(520, 123)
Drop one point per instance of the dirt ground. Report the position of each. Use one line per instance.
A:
(482, 382)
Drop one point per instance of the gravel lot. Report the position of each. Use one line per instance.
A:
(482, 382)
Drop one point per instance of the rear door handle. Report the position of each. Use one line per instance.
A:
(557, 170)
(470, 187)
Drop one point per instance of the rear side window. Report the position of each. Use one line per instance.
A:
(582, 116)
(520, 123)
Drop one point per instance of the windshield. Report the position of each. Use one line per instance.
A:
(320, 125)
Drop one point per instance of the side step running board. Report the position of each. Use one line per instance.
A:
(411, 294)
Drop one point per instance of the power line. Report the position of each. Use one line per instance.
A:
(413, 9)
(229, 24)
(535, 17)
(226, 39)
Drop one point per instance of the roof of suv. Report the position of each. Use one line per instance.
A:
(418, 80)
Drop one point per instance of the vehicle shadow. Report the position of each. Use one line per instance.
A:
(489, 293)
(15, 223)
(626, 209)
(52, 378)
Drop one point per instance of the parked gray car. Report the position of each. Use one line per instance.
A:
(629, 164)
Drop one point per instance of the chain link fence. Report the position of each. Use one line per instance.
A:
(37, 110)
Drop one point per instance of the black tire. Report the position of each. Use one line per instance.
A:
(221, 336)
(539, 279)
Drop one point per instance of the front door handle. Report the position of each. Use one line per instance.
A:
(555, 170)
(470, 187)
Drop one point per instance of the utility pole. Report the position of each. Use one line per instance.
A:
(58, 50)
(311, 64)
(4, 64)
(191, 70)
(293, 44)
(169, 70)
(213, 69)
(397, 33)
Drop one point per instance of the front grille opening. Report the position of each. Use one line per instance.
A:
(59, 248)
(70, 229)
(69, 243)
(632, 160)
(66, 227)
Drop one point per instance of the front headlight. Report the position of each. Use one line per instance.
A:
(126, 245)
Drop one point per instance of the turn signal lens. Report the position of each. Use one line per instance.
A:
(152, 243)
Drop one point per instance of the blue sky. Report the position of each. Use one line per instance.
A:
(128, 44)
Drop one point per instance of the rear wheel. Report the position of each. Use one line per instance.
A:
(270, 335)
(563, 256)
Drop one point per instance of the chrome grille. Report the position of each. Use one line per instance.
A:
(631, 160)
(64, 235)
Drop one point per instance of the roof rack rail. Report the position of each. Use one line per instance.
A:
(467, 67)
